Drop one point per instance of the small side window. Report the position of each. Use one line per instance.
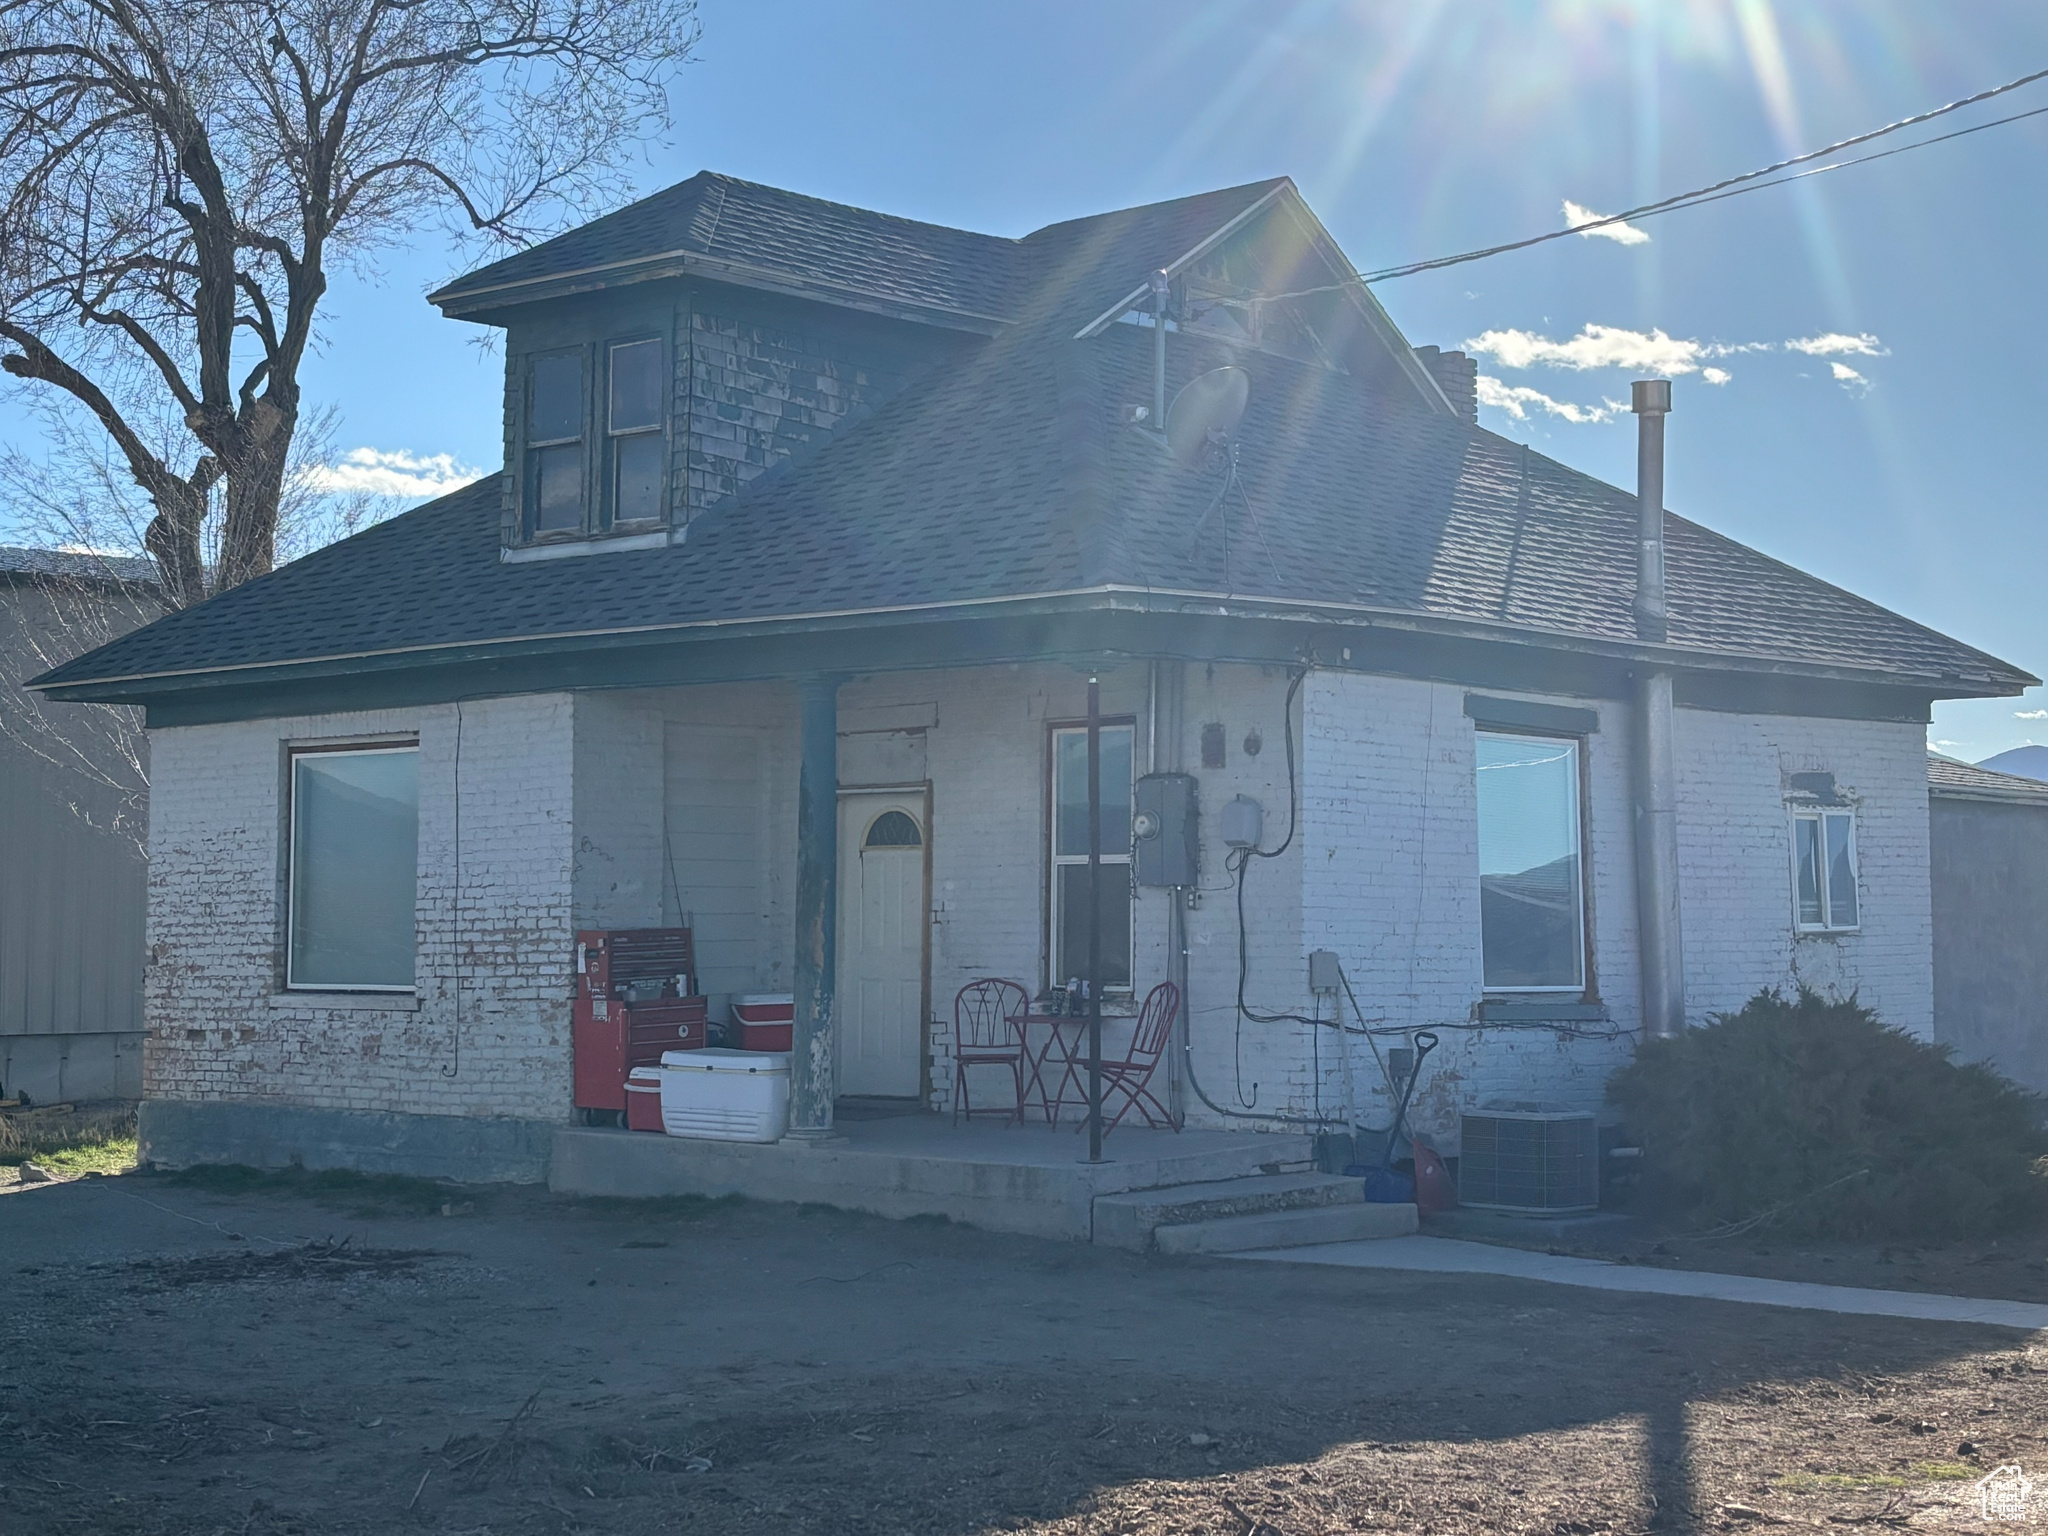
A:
(1824, 871)
(554, 444)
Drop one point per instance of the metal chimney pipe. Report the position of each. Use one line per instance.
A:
(1162, 287)
(1656, 758)
(1650, 399)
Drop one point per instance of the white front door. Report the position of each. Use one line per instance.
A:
(881, 943)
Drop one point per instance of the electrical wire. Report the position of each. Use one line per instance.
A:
(1731, 186)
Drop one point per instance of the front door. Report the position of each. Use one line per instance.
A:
(881, 943)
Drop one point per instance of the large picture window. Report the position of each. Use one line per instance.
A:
(1824, 870)
(354, 864)
(1069, 895)
(633, 430)
(554, 443)
(1531, 887)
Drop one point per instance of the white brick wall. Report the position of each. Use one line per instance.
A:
(1392, 885)
(1734, 854)
(490, 1035)
(597, 810)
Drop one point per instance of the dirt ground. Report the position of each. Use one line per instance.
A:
(196, 1357)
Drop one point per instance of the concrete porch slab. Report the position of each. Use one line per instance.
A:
(1028, 1179)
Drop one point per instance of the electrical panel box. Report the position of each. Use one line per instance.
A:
(1244, 821)
(1325, 974)
(1165, 828)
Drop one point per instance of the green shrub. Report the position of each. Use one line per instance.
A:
(1759, 1112)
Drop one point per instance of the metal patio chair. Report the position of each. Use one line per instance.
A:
(988, 1031)
(1131, 1074)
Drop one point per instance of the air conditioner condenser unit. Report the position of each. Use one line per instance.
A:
(1530, 1158)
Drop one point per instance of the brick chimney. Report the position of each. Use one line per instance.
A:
(1457, 376)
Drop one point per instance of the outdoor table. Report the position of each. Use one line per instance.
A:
(1066, 1044)
(1072, 1056)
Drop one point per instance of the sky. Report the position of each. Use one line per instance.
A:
(1857, 358)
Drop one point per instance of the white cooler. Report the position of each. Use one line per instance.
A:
(725, 1095)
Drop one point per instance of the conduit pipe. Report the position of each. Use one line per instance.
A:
(1660, 944)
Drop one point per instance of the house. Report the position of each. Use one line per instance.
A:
(1988, 864)
(814, 528)
(73, 810)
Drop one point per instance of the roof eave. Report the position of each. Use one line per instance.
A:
(139, 688)
(459, 303)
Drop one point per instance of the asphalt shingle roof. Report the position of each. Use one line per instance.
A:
(1010, 473)
(76, 565)
(829, 245)
(1946, 776)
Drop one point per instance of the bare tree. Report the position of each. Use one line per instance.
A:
(178, 178)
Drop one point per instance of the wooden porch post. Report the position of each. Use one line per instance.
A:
(811, 1077)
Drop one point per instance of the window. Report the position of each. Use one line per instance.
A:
(1824, 870)
(354, 865)
(554, 444)
(893, 829)
(633, 431)
(1069, 894)
(1531, 893)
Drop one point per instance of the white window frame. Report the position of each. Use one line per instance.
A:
(1056, 861)
(1577, 746)
(291, 857)
(1821, 815)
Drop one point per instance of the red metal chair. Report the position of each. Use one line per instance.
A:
(988, 1032)
(1131, 1074)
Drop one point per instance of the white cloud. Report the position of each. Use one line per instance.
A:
(397, 473)
(2030, 714)
(1518, 400)
(1716, 375)
(1619, 233)
(1596, 346)
(1835, 344)
(1849, 378)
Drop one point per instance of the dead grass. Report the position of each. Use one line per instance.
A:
(70, 1141)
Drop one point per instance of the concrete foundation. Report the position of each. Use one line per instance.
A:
(471, 1150)
(1029, 1179)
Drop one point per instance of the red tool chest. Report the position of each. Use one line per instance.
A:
(635, 998)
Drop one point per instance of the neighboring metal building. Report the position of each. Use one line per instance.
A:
(73, 819)
(1988, 863)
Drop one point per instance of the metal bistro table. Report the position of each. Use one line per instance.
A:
(1066, 1046)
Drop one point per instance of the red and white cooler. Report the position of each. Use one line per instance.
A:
(764, 1021)
(643, 1099)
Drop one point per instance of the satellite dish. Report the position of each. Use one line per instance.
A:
(1205, 413)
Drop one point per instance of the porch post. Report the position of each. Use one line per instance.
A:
(811, 1085)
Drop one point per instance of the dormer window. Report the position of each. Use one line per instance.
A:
(554, 444)
(634, 439)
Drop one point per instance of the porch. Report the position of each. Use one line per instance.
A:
(1031, 1179)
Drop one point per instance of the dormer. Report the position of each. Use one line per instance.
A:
(659, 359)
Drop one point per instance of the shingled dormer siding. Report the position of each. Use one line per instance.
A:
(755, 381)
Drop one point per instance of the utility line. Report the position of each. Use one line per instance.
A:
(1732, 186)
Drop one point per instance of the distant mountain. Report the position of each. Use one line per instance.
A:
(2029, 762)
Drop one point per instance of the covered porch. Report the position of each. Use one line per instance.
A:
(871, 846)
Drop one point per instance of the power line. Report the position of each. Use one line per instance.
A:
(1732, 186)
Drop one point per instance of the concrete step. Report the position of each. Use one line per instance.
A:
(1299, 1228)
(1128, 1219)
